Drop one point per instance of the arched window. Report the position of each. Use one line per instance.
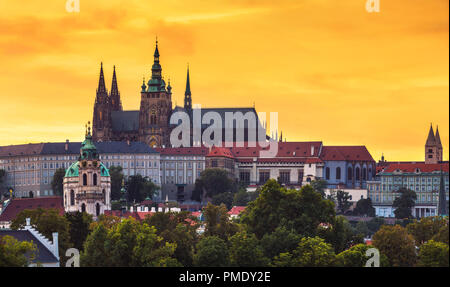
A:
(84, 179)
(357, 173)
(327, 173)
(94, 179)
(338, 173)
(350, 173)
(104, 196)
(72, 197)
(364, 175)
(369, 175)
(31, 194)
(83, 207)
(97, 209)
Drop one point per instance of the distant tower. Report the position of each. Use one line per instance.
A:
(87, 183)
(156, 108)
(442, 203)
(433, 147)
(101, 122)
(114, 96)
(187, 95)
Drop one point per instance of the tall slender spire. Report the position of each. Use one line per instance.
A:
(101, 81)
(115, 101)
(442, 203)
(438, 138)
(156, 68)
(187, 93)
(431, 140)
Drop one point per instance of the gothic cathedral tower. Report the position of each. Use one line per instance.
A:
(101, 122)
(156, 108)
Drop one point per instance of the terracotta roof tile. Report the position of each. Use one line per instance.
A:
(19, 204)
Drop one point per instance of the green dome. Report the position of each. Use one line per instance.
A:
(72, 171)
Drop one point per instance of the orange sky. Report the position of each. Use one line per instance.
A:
(331, 70)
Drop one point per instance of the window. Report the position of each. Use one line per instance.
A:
(338, 173)
(285, 177)
(214, 163)
(350, 173)
(327, 173)
(357, 173)
(97, 209)
(72, 197)
(84, 179)
(264, 177)
(94, 179)
(364, 174)
(244, 177)
(83, 207)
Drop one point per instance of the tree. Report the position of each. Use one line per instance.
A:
(340, 234)
(57, 181)
(310, 252)
(245, 251)
(16, 254)
(319, 185)
(213, 181)
(433, 254)
(225, 198)
(79, 228)
(280, 241)
(343, 201)
(116, 181)
(364, 208)
(179, 228)
(442, 235)
(424, 229)
(212, 251)
(94, 253)
(362, 228)
(301, 210)
(241, 198)
(404, 203)
(374, 225)
(396, 244)
(217, 222)
(46, 221)
(355, 256)
(140, 188)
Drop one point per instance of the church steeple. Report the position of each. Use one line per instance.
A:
(116, 104)
(156, 68)
(431, 140)
(101, 81)
(437, 137)
(187, 94)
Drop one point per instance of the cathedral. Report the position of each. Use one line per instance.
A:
(151, 123)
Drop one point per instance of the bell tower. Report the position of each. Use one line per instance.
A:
(156, 107)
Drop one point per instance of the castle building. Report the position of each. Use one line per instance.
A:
(151, 123)
(87, 183)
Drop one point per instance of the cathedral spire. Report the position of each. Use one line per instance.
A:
(116, 104)
(101, 81)
(431, 140)
(187, 93)
(156, 68)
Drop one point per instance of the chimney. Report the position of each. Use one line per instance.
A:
(312, 150)
(66, 146)
(28, 222)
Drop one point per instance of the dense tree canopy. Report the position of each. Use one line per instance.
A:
(223, 198)
(218, 222)
(404, 204)
(364, 208)
(396, 244)
(117, 177)
(57, 181)
(434, 254)
(79, 228)
(212, 251)
(343, 201)
(140, 188)
(301, 210)
(213, 181)
(245, 251)
(427, 227)
(15, 253)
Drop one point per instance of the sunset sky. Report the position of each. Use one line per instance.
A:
(333, 71)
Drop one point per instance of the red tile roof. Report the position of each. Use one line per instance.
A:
(183, 151)
(349, 153)
(285, 150)
(17, 205)
(236, 210)
(411, 167)
(220, 152)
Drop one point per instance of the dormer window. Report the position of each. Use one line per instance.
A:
(417, 170)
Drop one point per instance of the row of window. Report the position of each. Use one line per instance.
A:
(358, 173)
